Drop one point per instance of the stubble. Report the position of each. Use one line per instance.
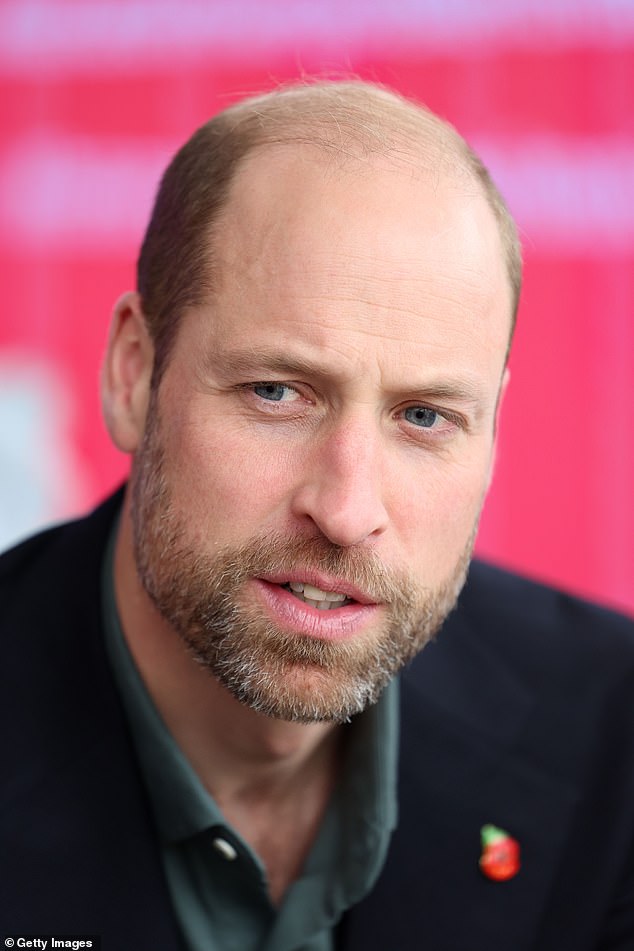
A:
(276, 672)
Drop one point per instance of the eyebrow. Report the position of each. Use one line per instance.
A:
(255, 361)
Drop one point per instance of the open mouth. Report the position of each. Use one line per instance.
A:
(315, 597)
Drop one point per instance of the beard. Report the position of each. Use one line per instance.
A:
(275, 672)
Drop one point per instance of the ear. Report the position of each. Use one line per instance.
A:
(127, 373)
(506, 376)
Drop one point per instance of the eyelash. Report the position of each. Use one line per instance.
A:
(450, 418)
(273, 384)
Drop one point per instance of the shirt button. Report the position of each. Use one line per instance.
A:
(225, 849)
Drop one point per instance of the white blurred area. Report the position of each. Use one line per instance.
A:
(39, 470)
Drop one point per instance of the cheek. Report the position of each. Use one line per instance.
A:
(436, 511)
(221, 478)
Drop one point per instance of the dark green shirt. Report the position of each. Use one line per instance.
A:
(216, 881)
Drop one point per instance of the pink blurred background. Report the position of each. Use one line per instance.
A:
(95, 97)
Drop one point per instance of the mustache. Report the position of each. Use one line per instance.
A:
(276, 553)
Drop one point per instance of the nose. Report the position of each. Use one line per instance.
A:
(341, 491)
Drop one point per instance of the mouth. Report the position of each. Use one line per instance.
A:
(314, 604)
(316, 597)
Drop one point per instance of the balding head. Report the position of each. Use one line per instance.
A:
(349, 123)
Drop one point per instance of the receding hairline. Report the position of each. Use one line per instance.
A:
(352, 123)
(350, 119)
(347, 121)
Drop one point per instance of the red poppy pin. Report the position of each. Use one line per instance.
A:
(500, 859)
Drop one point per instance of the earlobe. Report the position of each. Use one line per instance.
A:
(127, 373)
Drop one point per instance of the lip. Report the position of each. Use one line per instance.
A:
(322, 581)
(298, 617)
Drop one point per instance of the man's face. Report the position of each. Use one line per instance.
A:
(315, 460)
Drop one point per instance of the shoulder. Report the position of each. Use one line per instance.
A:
(541, 628)
(64, 554)
(50, 617)
(514, 649)
(52, 659)
(510, 597)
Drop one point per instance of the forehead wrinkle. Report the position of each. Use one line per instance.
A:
(326, 292)
(422, 309)
(412, 269)
(385, 324)
(400, 292)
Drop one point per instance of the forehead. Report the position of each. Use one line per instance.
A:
(310, 236)
(293, 199)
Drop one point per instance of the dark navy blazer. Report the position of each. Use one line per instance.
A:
(521, 714)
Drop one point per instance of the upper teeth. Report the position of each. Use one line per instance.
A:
(315, 594)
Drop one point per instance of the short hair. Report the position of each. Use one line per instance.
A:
(351, 119)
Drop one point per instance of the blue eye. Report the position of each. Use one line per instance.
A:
(422, 416)
(275, 392)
